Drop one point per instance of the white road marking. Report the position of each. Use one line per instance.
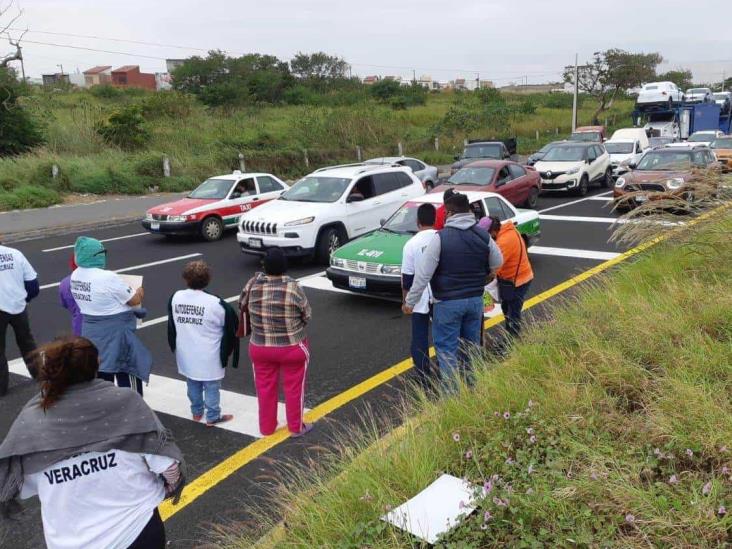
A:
(135, 267)
(573, 202)
(168, 396)
(159, 320)
(588, 219)
(105, 240)
(570, 252)
(602, 198)
(322, 283)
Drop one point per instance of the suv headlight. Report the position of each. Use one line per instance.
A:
(303, 221)
(675, 183)
(391, 269)
(337, 262)
(576, 169)
(620, 183)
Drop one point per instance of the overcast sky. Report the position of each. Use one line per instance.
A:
(503, 40)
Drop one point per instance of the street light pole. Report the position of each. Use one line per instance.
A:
(576, 93)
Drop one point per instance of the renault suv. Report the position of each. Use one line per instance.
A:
(326, 209)
(574, 167)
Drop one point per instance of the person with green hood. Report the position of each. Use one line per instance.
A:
(106, 303)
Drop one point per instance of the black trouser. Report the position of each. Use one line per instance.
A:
(152, 536)
(512, 308)
(23, 338)
(122, 380)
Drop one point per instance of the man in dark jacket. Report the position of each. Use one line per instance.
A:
(457, 262)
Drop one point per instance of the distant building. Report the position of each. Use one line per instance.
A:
(369, 80)
(394, 78)
(55, 78)
(533, 88)
(130, 76)
(163, 81)
(98, 75)
(486, 84)
(172, 64)
(77, 79)
(459, 84)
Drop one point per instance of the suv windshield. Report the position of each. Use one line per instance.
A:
(404, 220)
(212, 188)
(619, 148)
(657, 141)
(317, 189)
(721, 96)
(473, 176)
(697, 90)
(483, 151)
(584, 137)
(565, 154)
(722, 143)
(678, 160)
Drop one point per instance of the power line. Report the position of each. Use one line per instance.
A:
(93, 49)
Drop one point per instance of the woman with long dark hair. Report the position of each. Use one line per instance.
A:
(96, 456)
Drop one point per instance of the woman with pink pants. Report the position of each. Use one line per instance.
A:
(278, 346)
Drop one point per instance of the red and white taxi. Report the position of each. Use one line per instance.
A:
(215, 205)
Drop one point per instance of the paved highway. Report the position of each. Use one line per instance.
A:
(353, 338)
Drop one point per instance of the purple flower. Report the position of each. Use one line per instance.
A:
(673, 479)
(487, 487)
(461, 505)
(456, 437)
(468, 455)
(725, 469)
(532, 439)
(509, 460)
(722, 510)
(593, 475)
(530, 431)
(487, 516)
(630, 519)
(500, 502)
(690, 452)
(506, 415)
(484, 526)
(707, 488)
(497, 413)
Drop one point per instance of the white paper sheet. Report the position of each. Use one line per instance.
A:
(435, 510)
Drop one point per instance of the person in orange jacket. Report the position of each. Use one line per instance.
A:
(515, 275)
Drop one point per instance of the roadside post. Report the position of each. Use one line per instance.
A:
(537, 135)
(358, 153)
(166, 166)
(437, 143)
(242, 164)
(54, 171)
(307, 160)
(401, 148)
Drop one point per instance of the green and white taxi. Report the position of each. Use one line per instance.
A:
(372, 264)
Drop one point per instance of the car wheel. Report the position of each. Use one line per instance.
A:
(212, 229)
(583, 186)
(328, 242)
(532, 199)
(607, 181)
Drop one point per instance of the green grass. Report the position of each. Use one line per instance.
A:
(628, 391)
(201, 142)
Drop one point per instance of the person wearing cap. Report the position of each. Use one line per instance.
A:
(109, 307)
(457, 263)
(18, 286)
(278, 313)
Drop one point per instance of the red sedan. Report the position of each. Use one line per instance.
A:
(518, 184)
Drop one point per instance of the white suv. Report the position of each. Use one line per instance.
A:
(660, 94)
(574, 166)
(327, 208)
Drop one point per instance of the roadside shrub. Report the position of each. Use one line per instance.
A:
(19, 133)
(300, 95)
(150, 165)
(560, 100)
(9, 183)
(28, 197)
(177, 183)
(126, 129)
(168, 104)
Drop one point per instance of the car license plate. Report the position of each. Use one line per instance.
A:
(357, 282)
(255, 243)
(154, 226)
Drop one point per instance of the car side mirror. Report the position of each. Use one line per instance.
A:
(632, 165)
(382, 222)
(354, 198)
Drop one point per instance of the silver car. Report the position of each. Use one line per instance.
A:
(724, 100)
(698, 95)
(425, 173)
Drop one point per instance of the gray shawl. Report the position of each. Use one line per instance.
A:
(89, 417)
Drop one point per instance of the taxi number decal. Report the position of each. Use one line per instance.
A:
(370, 253)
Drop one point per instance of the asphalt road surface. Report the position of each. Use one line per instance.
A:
(352, 339)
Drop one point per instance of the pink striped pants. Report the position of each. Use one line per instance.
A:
(268, 363)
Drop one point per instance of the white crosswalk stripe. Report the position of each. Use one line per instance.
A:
(571, 252)
(104, 240)
(168, 395)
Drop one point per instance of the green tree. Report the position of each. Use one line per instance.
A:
(610, 73)
(384, 90)
(318, 66)
(126, 128)
(681, 77)
(18, 132)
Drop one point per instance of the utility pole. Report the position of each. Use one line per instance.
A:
(477, 80)
(62, 69)
(576, 92)
(414, 76)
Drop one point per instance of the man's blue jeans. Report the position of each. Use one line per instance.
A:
(205, 394)
(455, 328)
(420, 348)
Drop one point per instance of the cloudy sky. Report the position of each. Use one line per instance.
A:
(503, 40)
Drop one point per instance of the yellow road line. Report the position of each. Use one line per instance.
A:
(232, 464)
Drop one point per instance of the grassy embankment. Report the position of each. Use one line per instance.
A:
(610, 425)
(201, 142)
